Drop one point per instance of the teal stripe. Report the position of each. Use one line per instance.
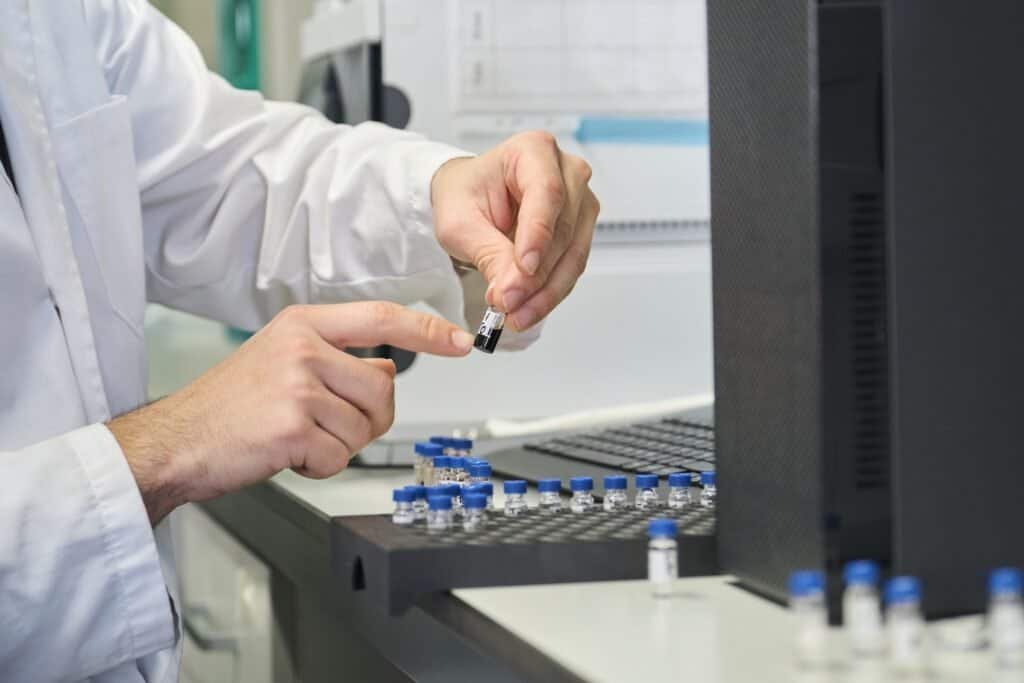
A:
(634, 131)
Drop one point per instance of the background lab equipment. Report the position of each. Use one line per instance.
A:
(470, 74)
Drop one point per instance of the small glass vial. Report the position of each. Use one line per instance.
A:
(439, 513)
(550, 496)
(488, 489)
(419, 502)
(807, 604)
(423, 462)
(480, 472)
(459, 469)
(515, 498)
(679, 490)
(615, 493)
(905, 626)
(662, 560)
(462, 448)
(710, 492)
(441, 469)
(489, 332)
(1006, 617)
(454, 491)
(647, 492)
(475, 517)
(862, 611)
(403, 513)
(582, 494)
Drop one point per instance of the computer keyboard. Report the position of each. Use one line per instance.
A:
(662, 447)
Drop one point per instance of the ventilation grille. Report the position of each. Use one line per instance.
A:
(870, 350)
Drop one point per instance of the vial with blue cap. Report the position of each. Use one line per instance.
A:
(454, 491)
(423, 462)
(905, 625)
(487, 488)
(445, 442)
(550, 496)
(662, 559)
(647, 492)
(403, 513)
(479, 471)
(419, 501)
(679, 490)
(459, 466)
(615, 493)
(710, 492)
(461, 447)
(441, 470)
(862, 610)
(582, 494)
(807, 604)
(475, 516)
(515, 498)
(439, 512)
(1006, 617)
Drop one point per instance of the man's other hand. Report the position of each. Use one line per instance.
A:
(290, 397)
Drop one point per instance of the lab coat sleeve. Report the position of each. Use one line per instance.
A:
(81, 589)
(250, 205)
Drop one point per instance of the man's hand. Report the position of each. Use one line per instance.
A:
(289, 397)
(524, 215)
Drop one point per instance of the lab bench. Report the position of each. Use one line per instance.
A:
(710, 630)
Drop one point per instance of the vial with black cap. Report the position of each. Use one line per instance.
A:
(489, 332)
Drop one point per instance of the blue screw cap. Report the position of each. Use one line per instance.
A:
(453, 490)
(662, 528)
(647, 481)
(474, 501)
(902, 589)
(707, 478)
(1006, 581)
(480, 469)
(462, 444)
(429, 449)
(615, 482)
(402, 495)
(549, 485)
(442, 461)
(439, 502)
(581, 484)
(487, 487)
(442, 441)
(861, 573)
(515, 486)
(418, 492)
(806, 582)
(458, 463)
(677, 479)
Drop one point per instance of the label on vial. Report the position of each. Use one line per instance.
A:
(493, 320)
(661, 566)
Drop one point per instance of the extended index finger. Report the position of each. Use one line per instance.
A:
(373, 323)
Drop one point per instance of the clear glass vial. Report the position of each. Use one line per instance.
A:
(862, 609)
(807, 604)
(582, 494)
(480, 471)
(459, 469)
(475, 516)
(515, 498)
(454, 491)
(679, 490)
(403, 513)
(441, 469)
(423, 462)
(439, 513)
(647, 492)
(615, 493)
(419, 501)
(488, 489)
(710, 491)
(905, 626)
(550, 496)
(1006, 617)
(662, 558)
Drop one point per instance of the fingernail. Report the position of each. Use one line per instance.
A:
(462, 340)
(513, 299)
(524, 319)
(531, 261)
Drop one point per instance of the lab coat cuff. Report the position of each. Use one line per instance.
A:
(421, 163)
(128, 538)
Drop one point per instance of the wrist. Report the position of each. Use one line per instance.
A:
(151, 452)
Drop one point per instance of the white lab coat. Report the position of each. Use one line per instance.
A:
(142, 176)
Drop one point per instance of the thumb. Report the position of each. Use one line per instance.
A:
(385, 364)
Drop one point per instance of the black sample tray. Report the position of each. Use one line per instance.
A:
(392, 566)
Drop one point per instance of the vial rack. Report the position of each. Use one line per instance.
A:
(391, 566)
